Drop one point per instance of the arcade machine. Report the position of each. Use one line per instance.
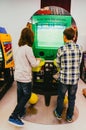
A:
(48, 33)
(6, 61)
(83, 67)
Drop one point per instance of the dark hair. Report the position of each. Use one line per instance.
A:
(26, 38)
(69, 33)
(28, 23)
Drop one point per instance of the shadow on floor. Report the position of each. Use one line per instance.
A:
(42, 114)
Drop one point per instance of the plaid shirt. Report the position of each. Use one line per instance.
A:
(68, 59)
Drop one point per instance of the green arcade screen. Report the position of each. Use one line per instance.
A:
(48, 34)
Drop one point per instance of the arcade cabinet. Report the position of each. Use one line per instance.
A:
(48, 33)
(6, 61)
(83, 67)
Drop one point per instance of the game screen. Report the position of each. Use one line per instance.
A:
(50, 35)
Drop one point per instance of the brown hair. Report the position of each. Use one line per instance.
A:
(26, 38)
(29, 25)
(69, 33)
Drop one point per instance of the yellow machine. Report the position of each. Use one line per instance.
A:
(6, 45)
(6, 62)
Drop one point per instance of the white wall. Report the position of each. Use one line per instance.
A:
(14, 15)
(78, 12)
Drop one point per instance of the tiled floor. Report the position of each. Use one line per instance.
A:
(8, 103)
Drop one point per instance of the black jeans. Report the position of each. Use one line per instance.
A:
(63, 88)
(23, 94)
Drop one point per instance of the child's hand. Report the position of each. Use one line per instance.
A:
(41, 59)
(38, 59)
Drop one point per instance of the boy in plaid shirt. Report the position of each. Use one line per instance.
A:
(68, 59)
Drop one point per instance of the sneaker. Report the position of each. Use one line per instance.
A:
(15, 121)
(68, 119)
(59, 117)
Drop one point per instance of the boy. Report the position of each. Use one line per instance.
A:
(24, 61)
(68, 59)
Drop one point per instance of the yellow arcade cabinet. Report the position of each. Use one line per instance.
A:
(6, 63)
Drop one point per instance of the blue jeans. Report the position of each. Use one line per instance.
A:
(23, 94)
(63, 88)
